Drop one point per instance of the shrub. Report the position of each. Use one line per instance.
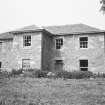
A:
(74, 74)
(40, 73)
(31, 70)
(4, 74)
(81, 74)
(17, 72)
(63, 74)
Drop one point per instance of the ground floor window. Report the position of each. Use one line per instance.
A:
(26, 63)
(84, 65)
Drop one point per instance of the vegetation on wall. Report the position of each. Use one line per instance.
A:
(102, 6)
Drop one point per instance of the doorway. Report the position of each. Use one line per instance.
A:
(58, 65)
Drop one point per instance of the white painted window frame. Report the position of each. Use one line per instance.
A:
(24, 41)
(87, 41)
(59, 37)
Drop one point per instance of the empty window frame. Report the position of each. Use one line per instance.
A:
(84, 65)
(83, 42)
(26, 63)
(59, 43)
(27, 40)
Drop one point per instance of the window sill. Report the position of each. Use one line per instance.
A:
(83, 48)
(27, 47)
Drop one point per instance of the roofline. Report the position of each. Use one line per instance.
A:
(6, 38)
(30, 31)
(44, 30)
(26, 31)
(78, 33)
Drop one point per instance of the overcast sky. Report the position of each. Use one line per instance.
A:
(19, 13)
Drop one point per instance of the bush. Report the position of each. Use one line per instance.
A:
(63, 74)
(17, 72)
(81, 74)
(40, 73)
(74, 74)
(4, 74)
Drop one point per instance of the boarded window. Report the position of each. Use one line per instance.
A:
(59, 43)
(26, 63)
(84, 65)
(27, 40)
(83, 42)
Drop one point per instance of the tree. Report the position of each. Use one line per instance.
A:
(103, 6)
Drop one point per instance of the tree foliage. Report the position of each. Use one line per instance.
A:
(103, 6)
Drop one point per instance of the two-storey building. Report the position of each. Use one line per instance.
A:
(54, 48)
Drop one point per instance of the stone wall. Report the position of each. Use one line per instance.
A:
(71, 53)
(32, 52)
(42, 52)
(6, 54)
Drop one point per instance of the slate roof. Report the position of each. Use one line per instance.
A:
(6, 35)
(71, 29)
(55, 30)
(9, 35)
(28, 29)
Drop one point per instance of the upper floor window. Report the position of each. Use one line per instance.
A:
(59, 43)
(27, 40)
(83, 42)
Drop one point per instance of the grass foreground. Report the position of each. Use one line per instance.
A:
(34, 91)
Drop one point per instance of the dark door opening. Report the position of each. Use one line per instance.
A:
(58, 65)
(84, 65)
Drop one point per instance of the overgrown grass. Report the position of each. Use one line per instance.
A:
(33, 73)
(44, 91)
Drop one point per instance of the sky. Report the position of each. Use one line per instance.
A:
(16, 14)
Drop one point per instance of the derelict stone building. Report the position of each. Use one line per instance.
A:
(54, 48)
